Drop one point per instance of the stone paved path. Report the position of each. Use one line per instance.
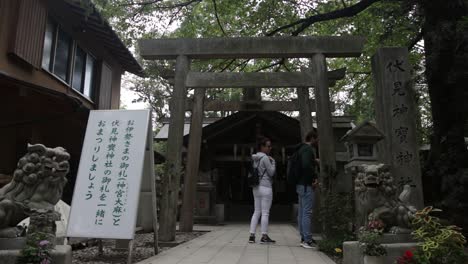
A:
(228, 245)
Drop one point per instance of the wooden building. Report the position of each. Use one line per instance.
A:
(58, 60)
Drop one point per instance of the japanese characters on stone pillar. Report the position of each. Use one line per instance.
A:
(396, 117)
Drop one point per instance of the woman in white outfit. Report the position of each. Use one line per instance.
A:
(263, 193)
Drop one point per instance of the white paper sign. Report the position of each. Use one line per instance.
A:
(107, 188)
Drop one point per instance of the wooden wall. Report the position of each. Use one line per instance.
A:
(116, 81)
(35, 106)
(105, 87)
(27, 37)
(21, 44)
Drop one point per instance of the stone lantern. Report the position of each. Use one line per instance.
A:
(361, 142)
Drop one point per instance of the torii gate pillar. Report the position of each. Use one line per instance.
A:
(318, 66)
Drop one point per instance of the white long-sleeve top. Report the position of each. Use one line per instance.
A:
(266, 167)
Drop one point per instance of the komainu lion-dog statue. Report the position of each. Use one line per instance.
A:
(376, 197)
(37, 184)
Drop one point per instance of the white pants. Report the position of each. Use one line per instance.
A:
(263, 197)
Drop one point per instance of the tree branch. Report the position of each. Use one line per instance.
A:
(187, 3)
(340, 13)
(243, 64)
(217, 17)
(358, 72)
(357, 85)
(271, 65)
(179, 4)
(286, 67)
(138, 12)
(132, 3)
(227, 65)
(171, 20)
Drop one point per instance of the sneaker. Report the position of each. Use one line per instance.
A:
(309, 244)
(252, 239)
(266, 239)
(302, 241)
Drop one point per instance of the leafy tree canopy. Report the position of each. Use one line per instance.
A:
(383, 23)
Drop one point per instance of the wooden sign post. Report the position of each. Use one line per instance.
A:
(107, 188)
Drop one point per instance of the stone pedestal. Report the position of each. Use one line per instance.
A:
(205, 204)
(12, 243)
(396, 245)
(62, 224)
(60, 255)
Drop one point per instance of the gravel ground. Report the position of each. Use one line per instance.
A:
(143, 249)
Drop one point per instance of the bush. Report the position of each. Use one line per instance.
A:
(336, 216)
(331, 246)
(368, 241)
(37, 250)
(439, 243)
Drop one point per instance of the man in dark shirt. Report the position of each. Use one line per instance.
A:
(305, 188)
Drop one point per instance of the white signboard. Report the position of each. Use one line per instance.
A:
(107, 188)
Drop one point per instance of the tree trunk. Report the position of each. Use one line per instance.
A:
(446, 50)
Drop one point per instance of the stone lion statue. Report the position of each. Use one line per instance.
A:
(37, 183)
(376, 198)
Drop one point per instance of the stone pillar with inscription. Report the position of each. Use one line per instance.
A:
(396, 117)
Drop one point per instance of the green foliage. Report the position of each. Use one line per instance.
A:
(160, 147)
(336, 216)
(336, 212)
(369, 243)
(385, 23)
(439, 243)
(37, 249)
(369, 236)
(331, 246)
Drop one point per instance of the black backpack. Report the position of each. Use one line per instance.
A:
(253, 175)
(294, 167)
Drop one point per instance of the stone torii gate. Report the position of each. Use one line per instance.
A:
(182, 50)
